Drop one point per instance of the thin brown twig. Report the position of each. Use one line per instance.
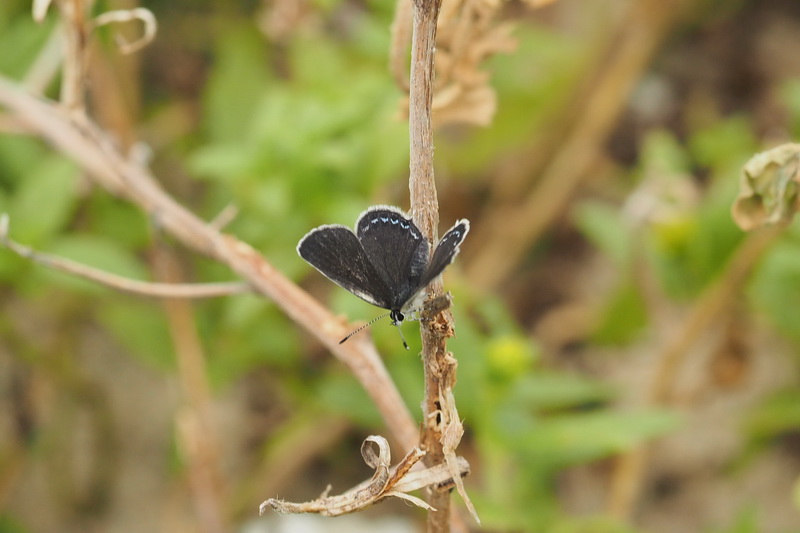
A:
(87, 144)
(225, 217)
(438, 364)
(75, 27)
(120, 283)
(425, 212)
(44, 69)
(195, 430)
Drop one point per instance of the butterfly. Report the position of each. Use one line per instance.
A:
(386, 261)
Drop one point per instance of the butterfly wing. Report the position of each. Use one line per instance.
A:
(397, 250)
(336, 252)
(446, 250)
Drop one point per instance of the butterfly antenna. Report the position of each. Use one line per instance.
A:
(400, 330)
(365, 326)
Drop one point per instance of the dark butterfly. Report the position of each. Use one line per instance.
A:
(386, 262)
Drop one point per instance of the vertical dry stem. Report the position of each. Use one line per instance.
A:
(425, 212)
(196, 434)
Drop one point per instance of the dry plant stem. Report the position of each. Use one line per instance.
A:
(142, 288)
(628, 472)
(195, 430)
(85, 143)
(422, 186)
(47, 64)
(425, 212)
(76, 36)
(522, 224)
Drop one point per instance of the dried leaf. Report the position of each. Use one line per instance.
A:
(467, 36)
(452, 432)
(768, 188)
(384, 483)
(145, 16)
(475, 106)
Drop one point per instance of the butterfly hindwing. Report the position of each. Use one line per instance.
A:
(446, 250)
(336, 252)
(397, 250)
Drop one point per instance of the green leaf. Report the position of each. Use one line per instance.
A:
(575, 438)
(746, 521)
(140, 326)
(244, 333)
(604, 226)
(725, 144)
(558, 391)
(238, 79)
(26, 38)
(510, 357)
(624, 316)
(44, 200)
(220, 162)
(790, 95)
(775, 287)
(663, 155)
(8, 524)
(17, 155)
(341, 393)
(776, 416)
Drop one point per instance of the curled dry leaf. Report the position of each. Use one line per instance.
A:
(768, 188)
(145, 16)
(385, 482)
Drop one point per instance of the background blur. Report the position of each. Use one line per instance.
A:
(594, 353)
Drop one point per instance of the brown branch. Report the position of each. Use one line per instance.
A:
(195, 431)
(439, 365)
(75, 28)
(425, 212)
(85, 143)
(142, 288)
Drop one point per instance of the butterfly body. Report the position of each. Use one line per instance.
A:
(386, 261)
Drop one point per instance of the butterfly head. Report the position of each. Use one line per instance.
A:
(397, 317)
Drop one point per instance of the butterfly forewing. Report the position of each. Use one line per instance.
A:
(396, 249)
(336, 252)
(446, 250)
